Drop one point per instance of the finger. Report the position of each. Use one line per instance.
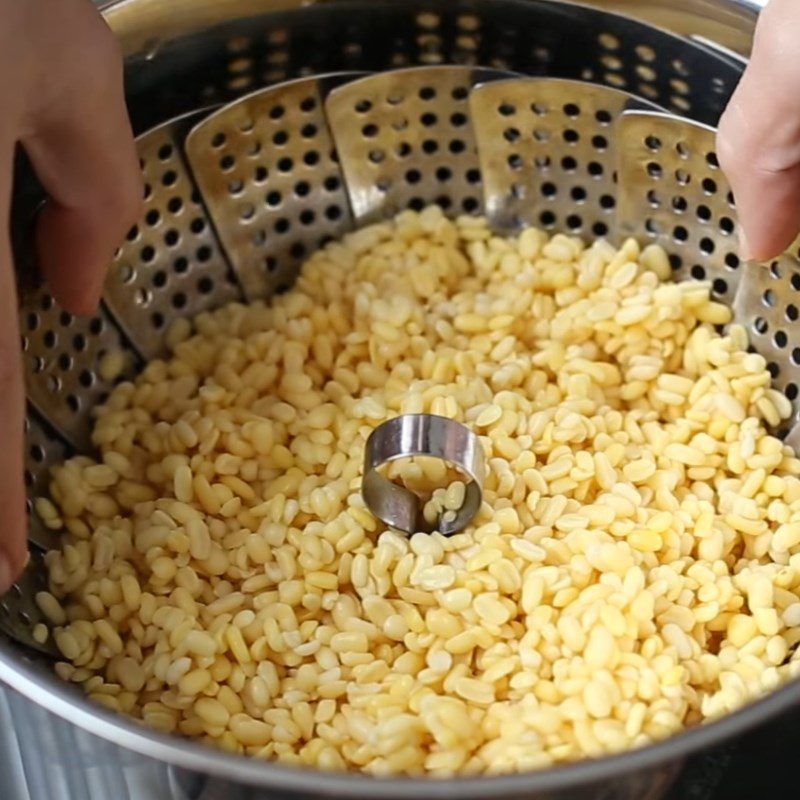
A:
(13, 536)
(82, 148)
(759, 136)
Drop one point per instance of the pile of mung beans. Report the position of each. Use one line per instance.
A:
(634, 568)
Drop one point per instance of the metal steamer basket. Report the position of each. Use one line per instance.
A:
(266, 128)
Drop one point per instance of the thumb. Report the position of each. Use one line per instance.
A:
(81, 145)
(758, 144)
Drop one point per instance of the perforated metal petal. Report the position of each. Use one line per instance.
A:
(405, 140)
(18, 610)
(267, 171)
(43, 449)
(547, 152)
(171, 264)
(70, 363)
(671, 190)
(768, 302)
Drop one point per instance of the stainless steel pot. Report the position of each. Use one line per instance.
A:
(183, 55)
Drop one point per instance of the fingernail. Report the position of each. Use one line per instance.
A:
(6, 578)
(745, 253)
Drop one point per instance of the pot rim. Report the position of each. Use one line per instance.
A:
(64, 701)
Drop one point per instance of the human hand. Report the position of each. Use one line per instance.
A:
(758, 144)
(62, 99)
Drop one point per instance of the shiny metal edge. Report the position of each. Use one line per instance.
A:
(65, 702)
